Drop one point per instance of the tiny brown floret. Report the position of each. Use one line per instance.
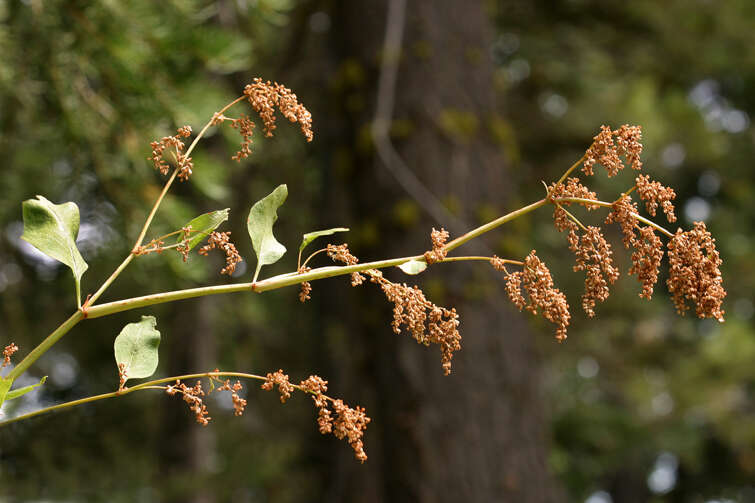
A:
(694, 273)
(9, 350)
(221, 240)
(646, 260)
(593, 255)
(193, 397)
(438, 253)
(184, 163)
(264, 97)
(607, 151)
(281, 380)
(536, 280)
(654, 194)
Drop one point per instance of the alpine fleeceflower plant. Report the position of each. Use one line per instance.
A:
(694, 275)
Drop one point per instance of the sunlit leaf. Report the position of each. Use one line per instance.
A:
(136, 348)
(413, 266)
(260, 223)
(52, 229)
(311, 236)
(22, 391)
(203, 225)
(5, 385)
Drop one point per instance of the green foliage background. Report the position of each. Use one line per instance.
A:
(85, 86)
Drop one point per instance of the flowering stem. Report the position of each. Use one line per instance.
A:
(574, 219)
(609, 205)
(149, 385)
(493, 224)
(572, 168)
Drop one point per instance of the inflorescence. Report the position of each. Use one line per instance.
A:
(7, 354)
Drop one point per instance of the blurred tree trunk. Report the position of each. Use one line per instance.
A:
(479, 434)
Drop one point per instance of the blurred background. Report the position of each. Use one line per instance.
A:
(426, 113)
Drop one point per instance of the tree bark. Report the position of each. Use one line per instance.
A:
(479, 434)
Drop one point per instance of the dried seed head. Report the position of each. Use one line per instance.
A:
(264, 97)
(536, 280)
(193, 397)
(306, 289)
(624, 212)
(281, 380)
(646, 260)
(122, 376)
(607, 151)
(569, 188)
(221, 240)
(9, 350)
(694, 273)
(653, 193)
(438, 253)
(593, 255)
(158, 150)
(246, 130)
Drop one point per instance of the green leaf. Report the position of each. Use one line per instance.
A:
(311, 236)
(203, 225)
(22, 391)
(413, 266)
(260, 223)
(5, 385)
(136, 348)
(52, 229)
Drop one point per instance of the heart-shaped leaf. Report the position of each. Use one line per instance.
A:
(311, 236)
(260, 223)
(136, 348)
(202, 226)
(22, 391)
(413, 266)
(52, 229)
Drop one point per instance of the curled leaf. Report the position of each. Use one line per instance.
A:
(202, 226)
(311, 236)
(22, 391)
(136, 348)
(260, 223)
(52, 229)
(413, 266)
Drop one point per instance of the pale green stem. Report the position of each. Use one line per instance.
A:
(150, 385)
(492, 225)
(572, 168)
(609, 205)
(45, 345)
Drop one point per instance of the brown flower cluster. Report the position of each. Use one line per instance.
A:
(239, 404)
(122, 376)
(281, 380)
(184, 163)
(536, 280)
(609, 146)
(624, 212)
(428, 323)
(306, 286)
(9, 350)
(646, 260)
(694, 274)
(341, 253)
(593, 255)
(653, 193)
(246, 129)
(438, 253)
(264, 97)
(193, 397)
(347, 423)
(221, 240)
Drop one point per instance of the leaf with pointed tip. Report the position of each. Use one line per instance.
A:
(202, 226)
(52, 229)
(136, 348)
(22, 391)
(260, 223)
(413, 267)
(311, 236)
(5, 385)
